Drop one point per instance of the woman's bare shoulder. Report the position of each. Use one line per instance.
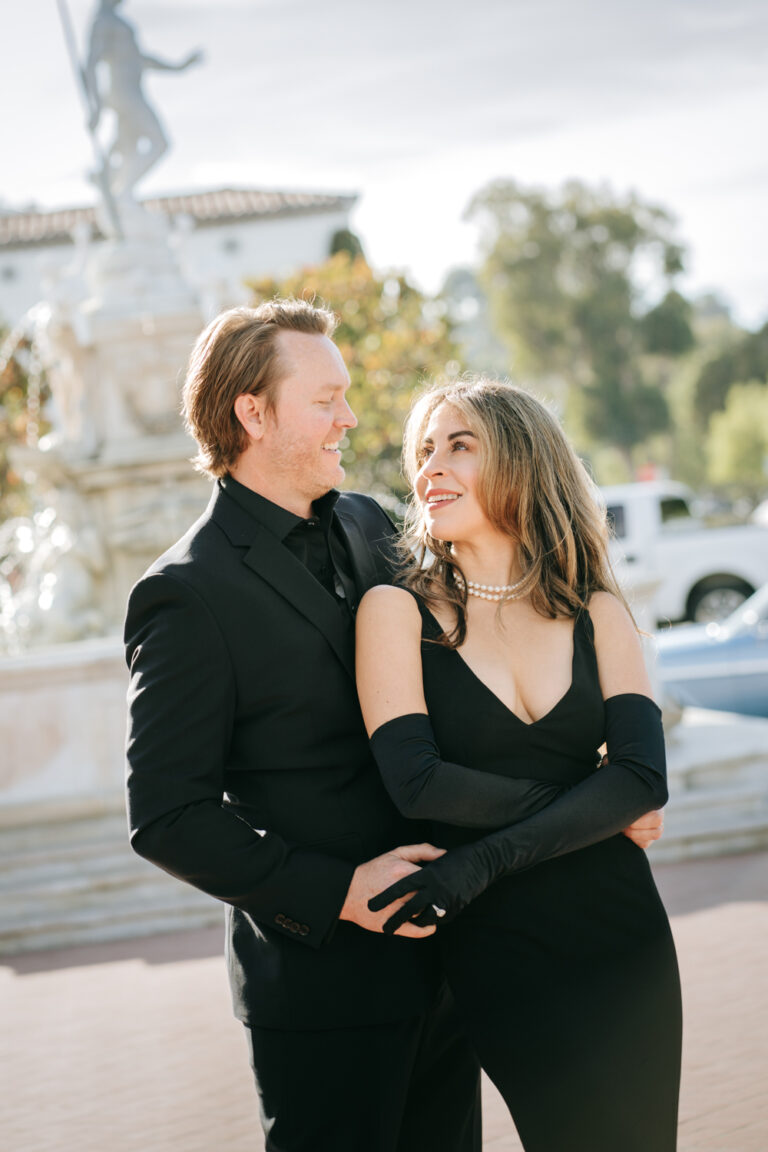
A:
(620, 660)
(385, 603)
(610, 616)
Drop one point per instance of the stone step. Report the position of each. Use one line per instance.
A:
(71, 882)
(110, 881)
(74, 868)
(712, 832)
(746, 797)
(89, 906)
(182, 909)
(712, 821)
(48, 836)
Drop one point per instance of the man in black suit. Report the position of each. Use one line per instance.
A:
(249, 773)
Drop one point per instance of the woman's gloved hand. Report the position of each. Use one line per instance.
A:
(440, 889)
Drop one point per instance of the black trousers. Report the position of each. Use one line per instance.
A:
(411, 1086)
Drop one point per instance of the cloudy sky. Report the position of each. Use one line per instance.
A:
(416, 104)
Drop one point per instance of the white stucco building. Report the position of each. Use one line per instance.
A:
(222, 237)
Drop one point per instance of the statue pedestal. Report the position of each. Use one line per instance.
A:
(123, 508)
(115, 471)
(138, 275)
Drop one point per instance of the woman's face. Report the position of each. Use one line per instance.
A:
(447, 480)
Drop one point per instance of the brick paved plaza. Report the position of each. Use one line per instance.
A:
(132, 1045)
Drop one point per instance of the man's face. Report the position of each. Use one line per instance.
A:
(300, 445)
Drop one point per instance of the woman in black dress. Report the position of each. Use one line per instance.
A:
(488, 682)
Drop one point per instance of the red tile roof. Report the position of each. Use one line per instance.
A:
(223, 205)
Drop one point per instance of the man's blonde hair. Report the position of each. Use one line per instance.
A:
(238, 353)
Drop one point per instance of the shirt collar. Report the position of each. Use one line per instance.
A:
(279, 521)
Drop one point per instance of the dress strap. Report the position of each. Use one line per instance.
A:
(431, 627)
(584, 641)
(583, 628)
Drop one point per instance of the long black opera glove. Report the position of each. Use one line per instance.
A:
(424, 787)
(631, 784)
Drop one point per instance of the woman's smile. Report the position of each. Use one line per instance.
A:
(438, 498)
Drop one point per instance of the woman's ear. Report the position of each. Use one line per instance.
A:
(250, 411)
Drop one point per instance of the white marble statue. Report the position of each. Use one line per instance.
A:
(113, 77)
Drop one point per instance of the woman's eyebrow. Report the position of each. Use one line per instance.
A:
(466, 432)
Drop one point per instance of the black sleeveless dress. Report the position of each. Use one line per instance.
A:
(564, 975)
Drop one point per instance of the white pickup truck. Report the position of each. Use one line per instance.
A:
(703, 573)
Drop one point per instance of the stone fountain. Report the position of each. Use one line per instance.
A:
(114, 488)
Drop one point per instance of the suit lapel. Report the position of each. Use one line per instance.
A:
(359, 551)
(271, 561)
(290, 578)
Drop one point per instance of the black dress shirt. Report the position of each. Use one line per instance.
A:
(311, 540)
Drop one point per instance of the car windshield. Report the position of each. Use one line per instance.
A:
(751, 612)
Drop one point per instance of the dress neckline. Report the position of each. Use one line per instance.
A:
(490, 692)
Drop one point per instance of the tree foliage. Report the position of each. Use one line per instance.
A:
(567, 274)
(20, 419)
(737, 444)
(667, 329)
(392, 337)
(745, 359)
(344, 240)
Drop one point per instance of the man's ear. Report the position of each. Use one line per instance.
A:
(251, 412)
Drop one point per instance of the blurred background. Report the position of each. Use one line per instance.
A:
(574, 196)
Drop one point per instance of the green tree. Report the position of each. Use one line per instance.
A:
(392, 337)
(667, 329)
(737, 444)
(566, 273)
(344, 240)
(746, 358)
(680, 450)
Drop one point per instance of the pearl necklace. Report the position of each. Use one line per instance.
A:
(495, 592)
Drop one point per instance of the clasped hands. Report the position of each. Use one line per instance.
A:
(423, 897)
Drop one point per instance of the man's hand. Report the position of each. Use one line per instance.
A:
(374, 876)
(647, 829)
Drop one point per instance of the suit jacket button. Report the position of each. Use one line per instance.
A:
(303, 930)
(279, 919)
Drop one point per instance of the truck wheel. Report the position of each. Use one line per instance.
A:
(715, 598)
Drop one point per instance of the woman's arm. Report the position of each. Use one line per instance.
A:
(390, 685)
(633, 782)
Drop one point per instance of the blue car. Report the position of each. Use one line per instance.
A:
(722, 666)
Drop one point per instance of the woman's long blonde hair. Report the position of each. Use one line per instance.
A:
(531, 485)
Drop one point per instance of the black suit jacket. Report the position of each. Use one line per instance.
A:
(249, 773)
